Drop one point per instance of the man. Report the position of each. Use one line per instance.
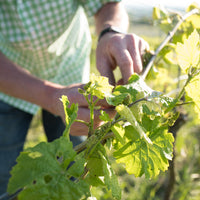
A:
(44, 54)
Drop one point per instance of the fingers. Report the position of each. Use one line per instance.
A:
(78, 129)
(135, 50)
(74, 96)
(105, 65)
(143, 46)
(123, 59)
(120, 50)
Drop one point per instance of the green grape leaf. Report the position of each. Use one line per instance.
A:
(119, 132)
(150, 107)
(57, 189)
(167, 53)
(156, 14)
(145, 146)
(125, 112)
(162, 17)
(139, 156)
(195, 20)
(193, 6)
(104, 116)
(188, 52)
(117, 98)
(94, 166)
(47, 169)
(192, 90)
(99, 86)
(95, 163)
(160, 13)
(135, 89)
(134, 78)
(70, 114)
(101, 172)
(110, 178)
(94, 181)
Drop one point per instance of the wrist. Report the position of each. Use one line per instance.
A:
(110, 29)
(52, 103)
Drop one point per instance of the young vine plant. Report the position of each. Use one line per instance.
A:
(137, 137)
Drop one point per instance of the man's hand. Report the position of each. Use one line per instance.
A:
(123, 50)
(83, 111)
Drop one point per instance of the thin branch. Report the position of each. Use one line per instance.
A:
(81, 121)
(183, 89)
(184, 103)
(109, 135)
(137, 101)
(82, 146)
(166, 40)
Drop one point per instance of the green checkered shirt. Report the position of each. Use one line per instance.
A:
(49, 38)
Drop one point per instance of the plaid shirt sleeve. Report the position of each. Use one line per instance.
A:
(92, 6)
(50, 39)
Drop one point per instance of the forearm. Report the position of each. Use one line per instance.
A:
(19, 83)
(111, 14)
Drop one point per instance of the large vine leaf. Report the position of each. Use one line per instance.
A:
(188, 53)
(144, 145)
(46, 171)
(141, 157)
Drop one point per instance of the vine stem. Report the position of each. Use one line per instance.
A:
(82, 146)
(166, 40)
(190, 75)
(91, 127)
